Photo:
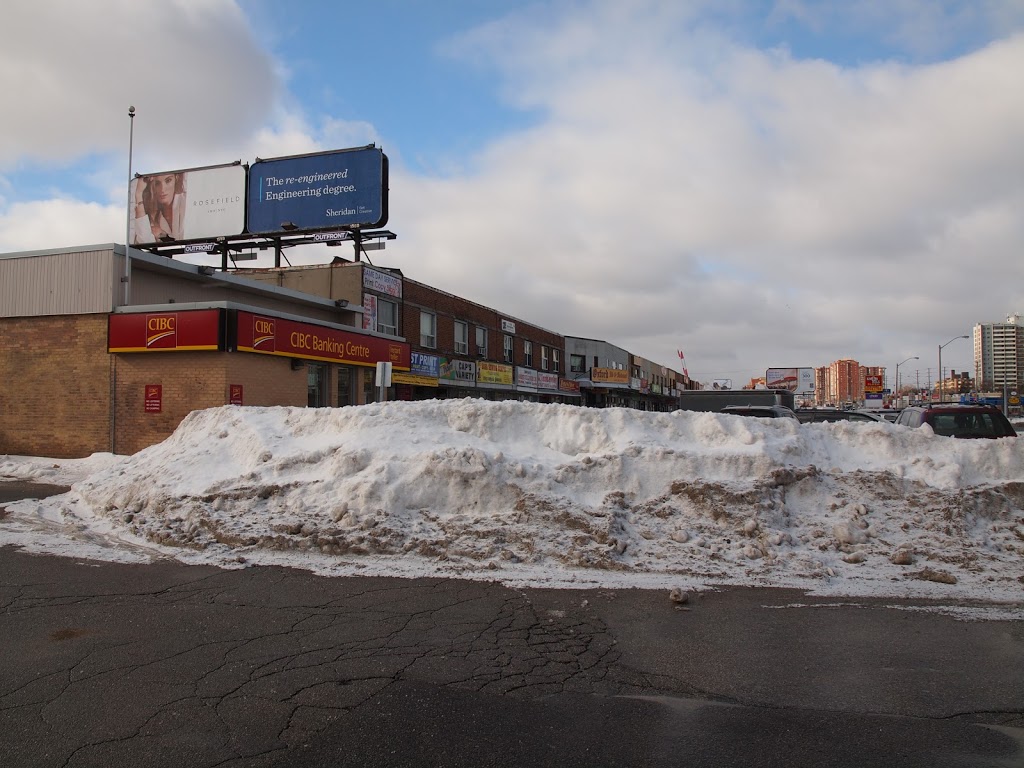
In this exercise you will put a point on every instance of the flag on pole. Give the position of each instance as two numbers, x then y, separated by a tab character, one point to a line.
682	361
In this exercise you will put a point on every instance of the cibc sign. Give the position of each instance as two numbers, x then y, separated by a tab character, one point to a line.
164	331
270	335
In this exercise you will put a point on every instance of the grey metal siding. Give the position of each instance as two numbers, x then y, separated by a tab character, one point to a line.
73	283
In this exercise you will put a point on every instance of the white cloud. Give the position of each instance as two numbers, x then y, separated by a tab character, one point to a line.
190	67
59	224
808	191
677	189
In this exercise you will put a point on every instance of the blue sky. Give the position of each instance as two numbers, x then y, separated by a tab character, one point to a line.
760	184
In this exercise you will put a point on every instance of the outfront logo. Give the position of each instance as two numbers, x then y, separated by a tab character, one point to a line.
161	331
263	334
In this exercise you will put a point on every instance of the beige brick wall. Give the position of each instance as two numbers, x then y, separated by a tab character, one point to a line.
193	381
54	386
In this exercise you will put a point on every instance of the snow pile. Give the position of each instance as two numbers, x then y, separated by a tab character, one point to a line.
561	495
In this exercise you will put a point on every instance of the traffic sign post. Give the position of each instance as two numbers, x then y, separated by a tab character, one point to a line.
383	380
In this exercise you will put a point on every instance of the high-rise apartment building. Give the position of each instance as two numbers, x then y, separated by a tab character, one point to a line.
999	354
845	382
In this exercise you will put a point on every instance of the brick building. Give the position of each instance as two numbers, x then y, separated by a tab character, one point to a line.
97	354
102	354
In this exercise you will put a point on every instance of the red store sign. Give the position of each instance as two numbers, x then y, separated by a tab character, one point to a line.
268	335
154	398
164	331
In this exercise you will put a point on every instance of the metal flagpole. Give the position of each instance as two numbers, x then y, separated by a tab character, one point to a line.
128	223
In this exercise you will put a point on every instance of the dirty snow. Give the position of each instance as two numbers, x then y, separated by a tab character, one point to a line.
551	495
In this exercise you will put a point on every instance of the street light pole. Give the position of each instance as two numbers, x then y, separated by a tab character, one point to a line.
127	279
915	357
965	336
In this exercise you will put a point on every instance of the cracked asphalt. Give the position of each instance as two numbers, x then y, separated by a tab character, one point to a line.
107	664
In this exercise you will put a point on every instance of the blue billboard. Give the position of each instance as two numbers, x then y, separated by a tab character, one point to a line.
325	190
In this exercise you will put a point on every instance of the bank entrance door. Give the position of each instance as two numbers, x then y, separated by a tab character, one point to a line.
316	387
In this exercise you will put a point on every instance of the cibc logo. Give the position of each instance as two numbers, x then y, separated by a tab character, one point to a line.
161	331
263	335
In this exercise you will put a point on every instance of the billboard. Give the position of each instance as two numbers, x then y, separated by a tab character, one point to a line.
800	381
193	204
344	188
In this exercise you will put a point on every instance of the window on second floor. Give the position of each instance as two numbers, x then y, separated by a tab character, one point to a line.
508	349
387	317
428	329
543	358
481	341
528	353
461	338
577	363
556	364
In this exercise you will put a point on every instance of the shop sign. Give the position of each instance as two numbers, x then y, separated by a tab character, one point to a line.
547	380
422	373
526	377
507	326
389	285
154	398
609	376
235	394
164	331
369	312
425	365
462	372
269	335
413	379
493	373
568	385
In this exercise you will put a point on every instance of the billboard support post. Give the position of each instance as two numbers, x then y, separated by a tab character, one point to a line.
129	213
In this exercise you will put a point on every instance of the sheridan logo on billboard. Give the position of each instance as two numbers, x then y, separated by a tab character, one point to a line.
193	204
269	335
164	331
344	188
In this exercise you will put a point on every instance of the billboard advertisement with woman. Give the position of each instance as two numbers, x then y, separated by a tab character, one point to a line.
193	204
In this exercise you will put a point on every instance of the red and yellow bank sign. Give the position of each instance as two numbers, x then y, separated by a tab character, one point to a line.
288	338
164	331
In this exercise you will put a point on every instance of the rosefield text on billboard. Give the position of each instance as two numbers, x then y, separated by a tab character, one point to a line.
192	204
346	188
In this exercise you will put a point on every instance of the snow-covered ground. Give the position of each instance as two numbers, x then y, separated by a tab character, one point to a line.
551	495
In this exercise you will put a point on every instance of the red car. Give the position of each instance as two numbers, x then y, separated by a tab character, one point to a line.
957	420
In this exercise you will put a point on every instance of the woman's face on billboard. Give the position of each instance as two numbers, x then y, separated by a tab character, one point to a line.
163	188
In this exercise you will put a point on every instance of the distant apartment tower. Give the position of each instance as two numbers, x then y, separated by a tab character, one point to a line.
999	354
845	382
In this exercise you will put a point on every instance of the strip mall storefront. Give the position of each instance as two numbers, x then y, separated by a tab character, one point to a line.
169	363
432	376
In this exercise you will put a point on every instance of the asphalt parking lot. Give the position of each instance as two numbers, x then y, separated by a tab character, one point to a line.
166	664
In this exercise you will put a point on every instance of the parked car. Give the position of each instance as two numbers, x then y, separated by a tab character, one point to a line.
889	414
761	411
810	415
956	420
